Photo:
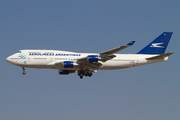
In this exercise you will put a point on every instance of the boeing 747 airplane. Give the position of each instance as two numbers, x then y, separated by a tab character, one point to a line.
87	63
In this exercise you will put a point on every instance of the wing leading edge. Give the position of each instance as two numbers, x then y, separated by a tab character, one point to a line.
112	51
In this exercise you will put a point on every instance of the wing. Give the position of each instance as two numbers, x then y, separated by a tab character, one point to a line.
109	52
96	60
83	63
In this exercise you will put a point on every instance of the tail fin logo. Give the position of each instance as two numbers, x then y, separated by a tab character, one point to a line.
157	45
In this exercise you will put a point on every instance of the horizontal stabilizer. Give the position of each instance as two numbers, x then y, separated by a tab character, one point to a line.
162	56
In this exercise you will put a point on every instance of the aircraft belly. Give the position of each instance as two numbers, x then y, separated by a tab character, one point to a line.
117	65
49	67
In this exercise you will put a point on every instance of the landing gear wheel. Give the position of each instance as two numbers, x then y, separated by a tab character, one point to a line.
82	73
79	74
90	74
23	72
81	77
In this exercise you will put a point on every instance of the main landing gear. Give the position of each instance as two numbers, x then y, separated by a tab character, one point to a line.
24	72
82	73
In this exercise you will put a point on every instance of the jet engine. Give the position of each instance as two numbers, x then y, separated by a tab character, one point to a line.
92	58
68	64
66	72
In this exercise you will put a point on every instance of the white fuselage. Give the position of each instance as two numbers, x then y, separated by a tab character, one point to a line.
47	58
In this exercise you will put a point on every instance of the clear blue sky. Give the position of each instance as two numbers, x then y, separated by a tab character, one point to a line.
150	92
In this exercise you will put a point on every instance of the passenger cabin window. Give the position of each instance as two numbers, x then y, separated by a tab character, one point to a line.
18	51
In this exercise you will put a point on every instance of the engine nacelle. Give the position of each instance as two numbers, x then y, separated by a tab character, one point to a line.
68	64
66	72
92	58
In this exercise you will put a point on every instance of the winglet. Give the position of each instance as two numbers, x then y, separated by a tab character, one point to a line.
131	43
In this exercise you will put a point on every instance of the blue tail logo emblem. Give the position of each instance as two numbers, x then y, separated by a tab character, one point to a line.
157	45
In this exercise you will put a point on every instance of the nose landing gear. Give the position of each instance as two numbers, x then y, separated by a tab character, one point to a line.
24	72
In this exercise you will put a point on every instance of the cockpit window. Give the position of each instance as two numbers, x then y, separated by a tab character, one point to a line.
18	51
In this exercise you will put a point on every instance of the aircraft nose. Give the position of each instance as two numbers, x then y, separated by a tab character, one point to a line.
8	59
11	59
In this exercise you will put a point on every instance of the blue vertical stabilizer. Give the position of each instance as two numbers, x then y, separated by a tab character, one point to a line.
158	46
